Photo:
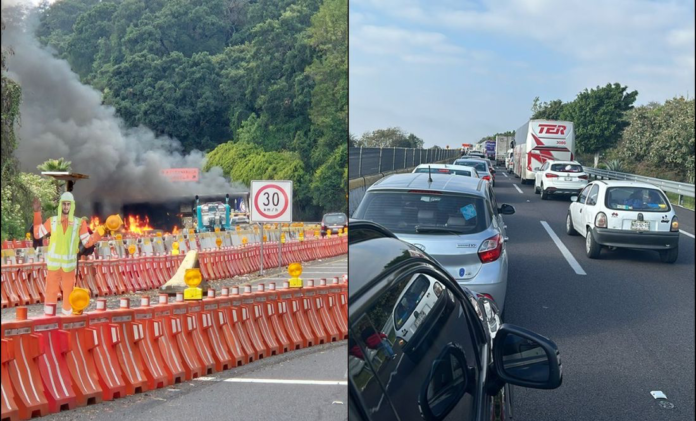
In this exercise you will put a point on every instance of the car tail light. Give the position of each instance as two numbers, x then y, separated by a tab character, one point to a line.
483	294
600	220
323	226
491	249
550	175
675	224
583	177
487	177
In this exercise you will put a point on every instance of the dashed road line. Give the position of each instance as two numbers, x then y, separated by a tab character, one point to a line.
564	250
687	234
518	189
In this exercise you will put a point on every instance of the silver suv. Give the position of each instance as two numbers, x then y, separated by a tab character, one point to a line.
456	220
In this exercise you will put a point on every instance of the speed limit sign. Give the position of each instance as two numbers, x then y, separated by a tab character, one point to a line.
271	201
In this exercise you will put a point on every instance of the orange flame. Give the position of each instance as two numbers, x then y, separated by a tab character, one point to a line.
94	223
134	225
175	230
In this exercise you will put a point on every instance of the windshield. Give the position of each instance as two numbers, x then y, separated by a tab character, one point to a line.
479	165
420	212
335	219
443	171
409	301
636	198
566	168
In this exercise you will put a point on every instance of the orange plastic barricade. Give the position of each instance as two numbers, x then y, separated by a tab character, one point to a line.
235	313
80	359
193	366
261	314
160	262
19	286
272	315
84	269
322	310
100	276
242	304
9	295
171	355
123	275
214	260
203	263
24	375
9	411
52	365
108	369
330	295
212	334
298	312
129	267
115	269
127	349
150	269
140	265
192	328
152	330
344	296
105	268
258	322
286	319
223	322
311	313
221	265
28	278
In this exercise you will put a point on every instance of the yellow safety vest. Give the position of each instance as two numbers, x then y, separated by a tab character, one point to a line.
63	247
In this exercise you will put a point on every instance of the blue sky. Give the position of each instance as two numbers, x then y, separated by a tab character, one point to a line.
453	71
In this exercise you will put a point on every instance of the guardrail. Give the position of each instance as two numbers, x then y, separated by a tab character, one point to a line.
679	188
370	161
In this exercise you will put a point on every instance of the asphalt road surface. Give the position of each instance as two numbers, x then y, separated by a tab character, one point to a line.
624	329
308	384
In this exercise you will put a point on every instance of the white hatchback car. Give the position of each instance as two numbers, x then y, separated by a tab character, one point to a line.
447	169
625	214
559	177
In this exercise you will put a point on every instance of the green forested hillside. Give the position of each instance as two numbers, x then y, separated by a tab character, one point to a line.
268	76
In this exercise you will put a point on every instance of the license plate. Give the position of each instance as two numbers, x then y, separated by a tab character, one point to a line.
640	225
569	178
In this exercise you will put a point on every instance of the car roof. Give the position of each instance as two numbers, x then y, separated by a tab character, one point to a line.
625	183
565	162
440	182
449	166
473	158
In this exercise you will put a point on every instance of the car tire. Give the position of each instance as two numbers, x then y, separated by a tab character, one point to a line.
536	189
570	230
542	192
669	256
592	247
523	181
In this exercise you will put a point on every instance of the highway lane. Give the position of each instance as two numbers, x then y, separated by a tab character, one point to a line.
624	329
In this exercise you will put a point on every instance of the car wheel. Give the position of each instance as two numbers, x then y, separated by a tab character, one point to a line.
536	189
569	226
544	195
592	247
669	256
523	181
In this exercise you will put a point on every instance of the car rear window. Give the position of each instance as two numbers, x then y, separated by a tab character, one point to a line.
636	198
424	212
479	165
335	219
409	301
566	168
444	171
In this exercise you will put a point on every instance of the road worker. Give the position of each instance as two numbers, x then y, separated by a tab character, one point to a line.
67	231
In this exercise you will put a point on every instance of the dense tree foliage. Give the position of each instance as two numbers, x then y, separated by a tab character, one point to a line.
392	137
218	75
547	110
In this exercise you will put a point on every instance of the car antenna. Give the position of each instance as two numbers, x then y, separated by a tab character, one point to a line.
430	179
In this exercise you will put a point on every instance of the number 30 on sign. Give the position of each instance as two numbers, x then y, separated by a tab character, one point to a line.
271	201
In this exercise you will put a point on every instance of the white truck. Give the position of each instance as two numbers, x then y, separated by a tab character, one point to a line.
502	144
538	141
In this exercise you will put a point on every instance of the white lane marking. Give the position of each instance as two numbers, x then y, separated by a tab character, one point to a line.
518	189
564	251
505	175
276	381
687	234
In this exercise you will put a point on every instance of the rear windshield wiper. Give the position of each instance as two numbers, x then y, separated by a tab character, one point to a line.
430	228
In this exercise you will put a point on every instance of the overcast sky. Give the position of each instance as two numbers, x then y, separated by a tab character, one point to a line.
453	71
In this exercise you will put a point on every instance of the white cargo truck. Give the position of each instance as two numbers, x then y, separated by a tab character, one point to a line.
538	141
502	144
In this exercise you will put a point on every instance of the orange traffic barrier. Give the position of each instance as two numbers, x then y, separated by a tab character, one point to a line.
162	270
9	411
274	337
192	325
235	314
19	286
212	334
54	371
101	277
10	298
106	361
222	320
272	315
127	350
285	316
152	330
343	302
123	276
249	326
206	272
322	310
297	309
175	360
84	273
257	320
107	273
311	313
193	366
27	276
330	295
80	359
24	375
115	270
133	275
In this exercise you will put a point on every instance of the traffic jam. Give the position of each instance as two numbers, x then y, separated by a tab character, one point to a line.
481	279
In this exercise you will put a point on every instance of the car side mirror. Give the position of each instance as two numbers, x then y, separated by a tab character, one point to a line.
506	209
524	358
448	380
536	168
573	198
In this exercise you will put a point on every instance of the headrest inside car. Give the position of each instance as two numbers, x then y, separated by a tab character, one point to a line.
426	215
456	221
